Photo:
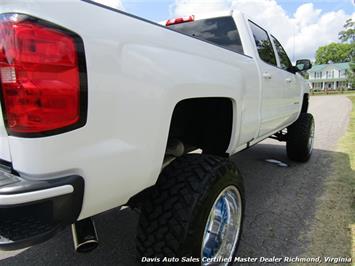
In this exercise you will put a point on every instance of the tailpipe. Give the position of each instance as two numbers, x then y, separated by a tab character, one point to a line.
84	236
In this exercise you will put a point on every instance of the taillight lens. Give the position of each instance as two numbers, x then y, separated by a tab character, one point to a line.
42	72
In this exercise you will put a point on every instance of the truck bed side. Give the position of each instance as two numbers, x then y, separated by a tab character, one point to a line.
137	73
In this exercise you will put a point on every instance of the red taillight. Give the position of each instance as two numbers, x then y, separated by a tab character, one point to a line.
40	76
180	20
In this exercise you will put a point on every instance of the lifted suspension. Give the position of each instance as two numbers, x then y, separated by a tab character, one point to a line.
280	136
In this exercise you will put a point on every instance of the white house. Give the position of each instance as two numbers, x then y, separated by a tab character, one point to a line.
331	76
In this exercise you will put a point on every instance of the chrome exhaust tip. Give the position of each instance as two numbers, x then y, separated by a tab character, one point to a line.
84	236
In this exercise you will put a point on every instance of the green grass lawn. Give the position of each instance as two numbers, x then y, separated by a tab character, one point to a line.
347	145
331	233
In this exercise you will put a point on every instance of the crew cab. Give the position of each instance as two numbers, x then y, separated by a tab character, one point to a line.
102	109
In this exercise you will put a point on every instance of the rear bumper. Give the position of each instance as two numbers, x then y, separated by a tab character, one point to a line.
33	211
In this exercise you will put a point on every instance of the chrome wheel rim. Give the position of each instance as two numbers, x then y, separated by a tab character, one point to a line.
222	229
311	138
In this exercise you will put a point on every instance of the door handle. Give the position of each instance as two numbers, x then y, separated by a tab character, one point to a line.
288	80
267	75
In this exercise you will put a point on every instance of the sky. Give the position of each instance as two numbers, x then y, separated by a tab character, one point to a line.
301	26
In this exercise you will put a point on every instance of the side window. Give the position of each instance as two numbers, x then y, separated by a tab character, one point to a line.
284	60
263	44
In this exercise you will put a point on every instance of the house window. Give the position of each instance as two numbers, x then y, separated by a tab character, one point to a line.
317	85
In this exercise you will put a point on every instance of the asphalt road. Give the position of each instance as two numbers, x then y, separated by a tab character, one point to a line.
280	202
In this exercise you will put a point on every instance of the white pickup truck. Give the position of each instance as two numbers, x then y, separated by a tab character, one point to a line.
102	109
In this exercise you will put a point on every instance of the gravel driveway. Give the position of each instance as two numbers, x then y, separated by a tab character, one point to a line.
280	202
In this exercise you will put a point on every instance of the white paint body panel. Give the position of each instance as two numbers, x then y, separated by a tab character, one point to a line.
137	73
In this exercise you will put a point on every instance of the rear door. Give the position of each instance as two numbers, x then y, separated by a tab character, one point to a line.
291	89
272	102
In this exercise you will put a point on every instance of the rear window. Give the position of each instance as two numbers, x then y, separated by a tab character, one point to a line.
219	31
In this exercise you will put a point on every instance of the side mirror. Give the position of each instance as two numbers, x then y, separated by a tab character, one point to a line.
303	64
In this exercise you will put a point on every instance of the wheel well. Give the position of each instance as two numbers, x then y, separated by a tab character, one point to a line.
204	123
305	103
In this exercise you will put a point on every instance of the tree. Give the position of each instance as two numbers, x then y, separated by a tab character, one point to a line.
348	34
334	52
